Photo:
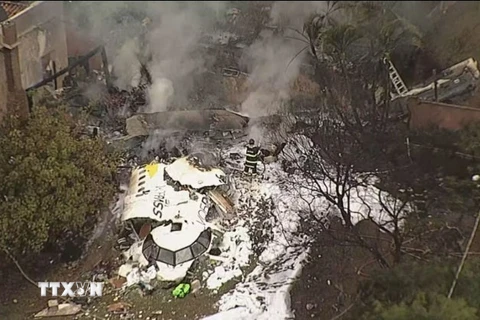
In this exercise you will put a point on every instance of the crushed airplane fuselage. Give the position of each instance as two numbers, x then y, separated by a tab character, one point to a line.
168	197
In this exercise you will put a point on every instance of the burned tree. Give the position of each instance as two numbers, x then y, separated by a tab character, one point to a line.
351	137
327	164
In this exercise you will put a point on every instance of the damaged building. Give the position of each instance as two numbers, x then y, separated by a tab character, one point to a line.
204	121
443	100
32	47
452	85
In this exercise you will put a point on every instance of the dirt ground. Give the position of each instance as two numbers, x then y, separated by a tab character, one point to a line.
20	300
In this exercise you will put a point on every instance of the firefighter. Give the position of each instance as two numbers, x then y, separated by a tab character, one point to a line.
253	155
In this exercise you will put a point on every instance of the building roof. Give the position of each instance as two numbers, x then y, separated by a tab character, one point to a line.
11	8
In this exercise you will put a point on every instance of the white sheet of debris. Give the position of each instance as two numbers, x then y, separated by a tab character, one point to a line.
143	193
187	174
264	293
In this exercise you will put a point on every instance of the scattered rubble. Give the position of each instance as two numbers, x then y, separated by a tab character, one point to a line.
119	307
55	309
191	120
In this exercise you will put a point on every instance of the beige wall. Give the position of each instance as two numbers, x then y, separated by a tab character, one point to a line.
424	114
3	86
41	33
25	39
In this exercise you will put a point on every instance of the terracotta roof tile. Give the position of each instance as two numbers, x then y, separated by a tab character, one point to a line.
12	8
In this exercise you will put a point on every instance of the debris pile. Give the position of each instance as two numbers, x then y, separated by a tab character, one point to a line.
55	309
165	213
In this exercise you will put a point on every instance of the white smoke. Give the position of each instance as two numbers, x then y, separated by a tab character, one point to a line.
274	61
272	71
130	72
164	33
160	94
176	31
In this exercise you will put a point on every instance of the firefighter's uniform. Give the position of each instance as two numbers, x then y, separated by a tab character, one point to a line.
253	155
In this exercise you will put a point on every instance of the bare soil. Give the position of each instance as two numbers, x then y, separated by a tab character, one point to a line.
20	300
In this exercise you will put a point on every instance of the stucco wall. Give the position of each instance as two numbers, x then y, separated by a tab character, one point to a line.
16	99
424	114
80	44
3	87
41	32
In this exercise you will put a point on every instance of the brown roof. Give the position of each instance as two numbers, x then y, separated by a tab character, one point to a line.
13	7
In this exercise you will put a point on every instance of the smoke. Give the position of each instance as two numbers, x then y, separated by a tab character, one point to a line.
294	13
270	73
173	43
274	61
163	35
126	64
257	133
160	94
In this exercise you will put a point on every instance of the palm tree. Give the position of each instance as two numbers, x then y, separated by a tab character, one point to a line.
337	40
382	29
317	23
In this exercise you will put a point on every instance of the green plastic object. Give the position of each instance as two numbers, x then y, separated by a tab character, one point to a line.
181	290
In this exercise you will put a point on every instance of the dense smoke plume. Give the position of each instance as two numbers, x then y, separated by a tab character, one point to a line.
173	42
270	75
162	35
166	36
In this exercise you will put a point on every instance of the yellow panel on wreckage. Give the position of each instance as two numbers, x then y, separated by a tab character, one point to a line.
152	169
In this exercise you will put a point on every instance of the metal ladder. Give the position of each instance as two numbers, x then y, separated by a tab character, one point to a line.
397	82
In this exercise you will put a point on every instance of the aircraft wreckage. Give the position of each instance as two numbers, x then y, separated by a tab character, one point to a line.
211	121
167	205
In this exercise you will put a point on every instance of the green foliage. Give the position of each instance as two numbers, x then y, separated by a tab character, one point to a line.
426	307
337	40
470	139
463	193
418	291
52	180
374	25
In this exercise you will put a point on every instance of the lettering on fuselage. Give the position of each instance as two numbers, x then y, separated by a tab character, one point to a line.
159	203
